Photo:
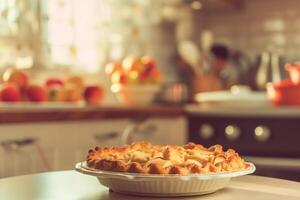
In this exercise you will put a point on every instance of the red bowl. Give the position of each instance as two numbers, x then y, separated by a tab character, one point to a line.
294	72
284	92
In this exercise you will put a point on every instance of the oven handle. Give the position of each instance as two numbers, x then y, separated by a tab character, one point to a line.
293	163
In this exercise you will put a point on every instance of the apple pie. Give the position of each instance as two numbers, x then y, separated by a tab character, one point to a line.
144	157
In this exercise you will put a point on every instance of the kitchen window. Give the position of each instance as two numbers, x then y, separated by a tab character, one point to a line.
74	34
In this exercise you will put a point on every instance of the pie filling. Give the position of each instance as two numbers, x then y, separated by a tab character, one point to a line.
144	157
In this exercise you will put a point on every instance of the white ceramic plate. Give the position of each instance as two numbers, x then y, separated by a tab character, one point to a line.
162	185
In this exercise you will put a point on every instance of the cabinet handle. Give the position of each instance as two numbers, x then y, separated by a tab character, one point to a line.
136	127
16	144
106	136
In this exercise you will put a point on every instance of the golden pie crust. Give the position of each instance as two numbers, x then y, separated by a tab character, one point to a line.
144	157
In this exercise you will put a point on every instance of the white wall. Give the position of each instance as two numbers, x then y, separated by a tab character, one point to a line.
261	25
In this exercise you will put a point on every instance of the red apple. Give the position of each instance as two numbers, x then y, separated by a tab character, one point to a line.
55	93
146	74
143	76
156	76
10	93
150	71
148	62
123	79
93	94
54	81
36	93
16	76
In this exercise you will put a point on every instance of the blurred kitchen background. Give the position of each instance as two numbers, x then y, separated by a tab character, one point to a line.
169	71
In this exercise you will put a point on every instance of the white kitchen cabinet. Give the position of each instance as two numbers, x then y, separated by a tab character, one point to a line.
59	145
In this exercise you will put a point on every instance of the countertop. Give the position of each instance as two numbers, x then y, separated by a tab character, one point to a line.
243	110
70	185
42	112
27	113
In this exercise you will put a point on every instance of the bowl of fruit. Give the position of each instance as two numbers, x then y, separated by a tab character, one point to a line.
135	81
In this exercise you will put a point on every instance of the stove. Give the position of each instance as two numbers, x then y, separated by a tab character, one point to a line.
268	137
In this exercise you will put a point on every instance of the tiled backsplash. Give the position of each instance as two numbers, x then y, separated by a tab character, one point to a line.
272	25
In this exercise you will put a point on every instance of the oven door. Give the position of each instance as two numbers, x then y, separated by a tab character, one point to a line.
284	168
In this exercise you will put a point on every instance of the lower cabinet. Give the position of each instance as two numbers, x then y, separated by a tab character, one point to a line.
39	147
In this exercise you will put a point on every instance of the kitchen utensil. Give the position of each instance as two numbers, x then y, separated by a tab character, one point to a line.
262	72
268	69
276	76
163	185
189	51
284	92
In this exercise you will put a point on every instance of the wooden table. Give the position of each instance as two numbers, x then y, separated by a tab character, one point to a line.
70	185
